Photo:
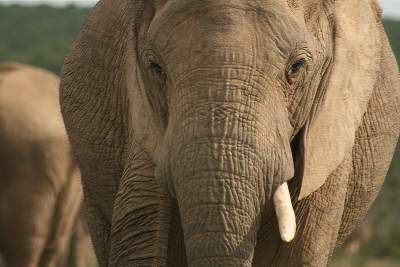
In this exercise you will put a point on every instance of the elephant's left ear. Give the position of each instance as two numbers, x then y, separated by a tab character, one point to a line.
330	132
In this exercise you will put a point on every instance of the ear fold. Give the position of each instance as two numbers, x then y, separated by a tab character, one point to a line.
330	132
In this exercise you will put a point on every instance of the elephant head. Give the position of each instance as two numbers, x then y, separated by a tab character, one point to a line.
227	100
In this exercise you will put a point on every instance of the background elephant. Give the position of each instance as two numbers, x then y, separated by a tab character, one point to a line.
40	188
188	117
79	252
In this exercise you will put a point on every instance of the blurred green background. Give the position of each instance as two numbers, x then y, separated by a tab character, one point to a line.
42	36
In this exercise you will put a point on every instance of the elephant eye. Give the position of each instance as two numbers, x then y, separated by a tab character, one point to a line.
294	71
158	71
156	68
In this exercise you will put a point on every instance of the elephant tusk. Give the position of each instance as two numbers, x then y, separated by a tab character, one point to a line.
285	213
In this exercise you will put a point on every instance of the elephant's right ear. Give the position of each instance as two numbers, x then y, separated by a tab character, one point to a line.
330	132
98	75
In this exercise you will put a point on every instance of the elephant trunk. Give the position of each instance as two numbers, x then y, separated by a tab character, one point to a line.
226	153
219	198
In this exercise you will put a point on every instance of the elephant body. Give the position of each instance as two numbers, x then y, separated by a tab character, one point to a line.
188	117
79	252
40	186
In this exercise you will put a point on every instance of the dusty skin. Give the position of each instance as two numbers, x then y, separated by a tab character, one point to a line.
187	118
40	191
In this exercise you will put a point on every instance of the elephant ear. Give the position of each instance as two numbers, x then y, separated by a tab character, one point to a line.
101	88
97	74
330	132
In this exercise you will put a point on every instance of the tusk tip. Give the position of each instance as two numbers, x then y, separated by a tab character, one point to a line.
285	213
288	234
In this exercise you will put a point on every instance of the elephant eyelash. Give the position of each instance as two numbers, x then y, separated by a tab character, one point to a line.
294	72
298	65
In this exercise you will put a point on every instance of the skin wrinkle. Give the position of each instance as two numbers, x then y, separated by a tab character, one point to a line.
99	217
256	92
229	230
245	156
185	112
141	177
158	42
178	196
376	132
210	136
313	224
297	120
238	202
264	65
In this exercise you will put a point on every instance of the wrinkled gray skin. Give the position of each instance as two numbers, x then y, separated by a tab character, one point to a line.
40	185
185	116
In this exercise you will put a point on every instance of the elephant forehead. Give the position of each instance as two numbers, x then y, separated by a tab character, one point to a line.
208	22
222	36
222	22
259	6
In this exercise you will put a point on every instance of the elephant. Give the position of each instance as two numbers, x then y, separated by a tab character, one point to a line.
40	185
229	133
79	252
